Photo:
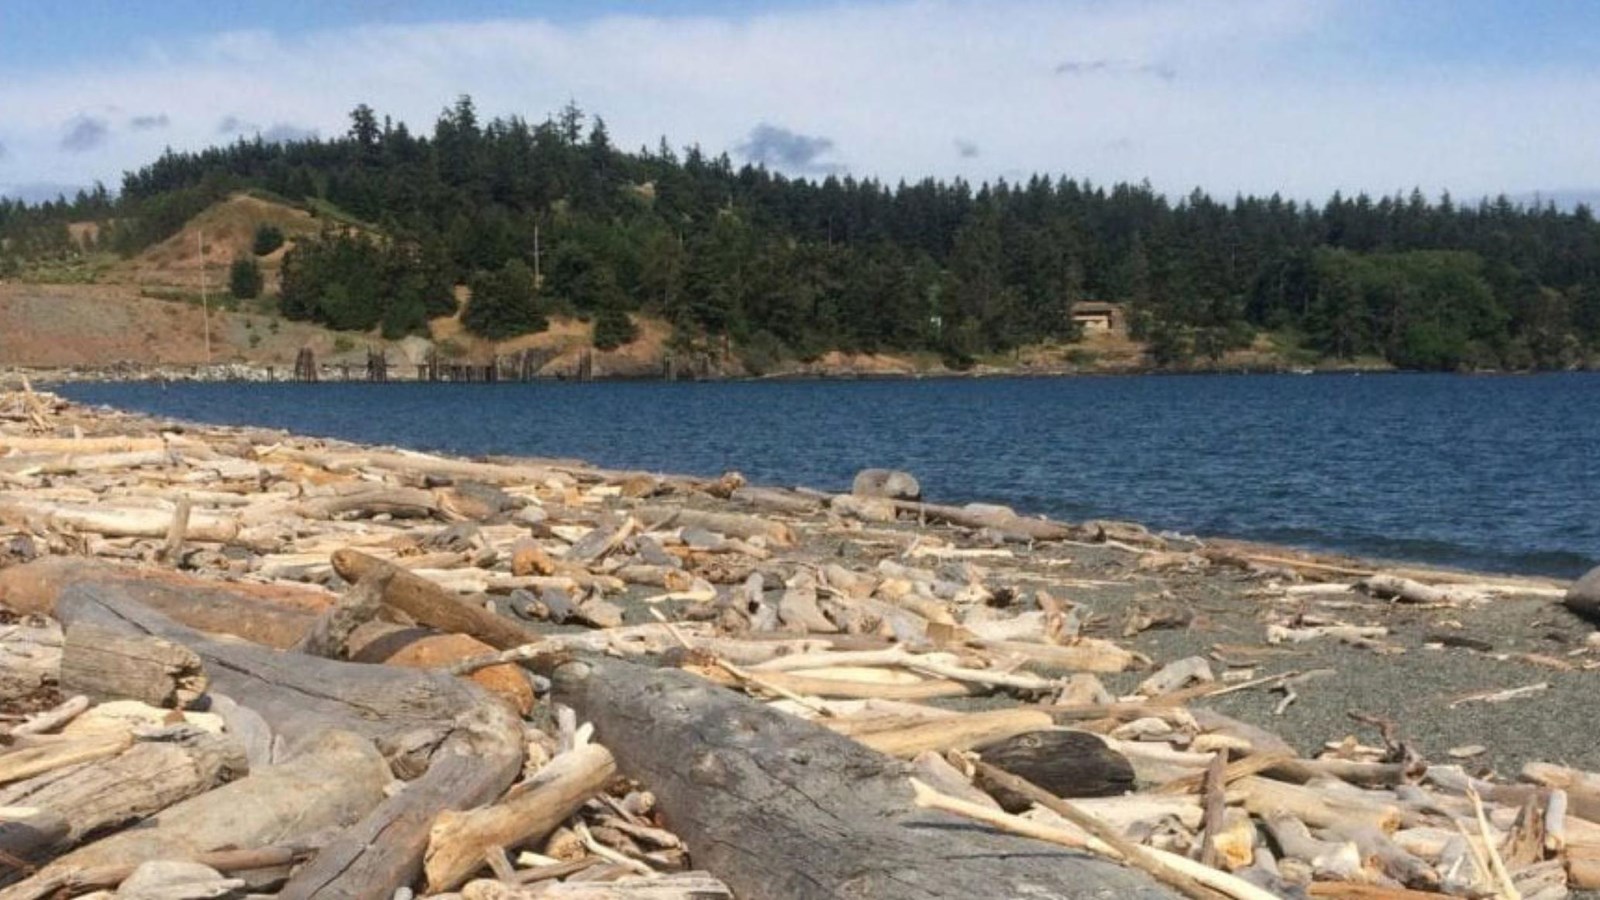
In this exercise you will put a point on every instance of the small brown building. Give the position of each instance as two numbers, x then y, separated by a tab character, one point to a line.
1095	317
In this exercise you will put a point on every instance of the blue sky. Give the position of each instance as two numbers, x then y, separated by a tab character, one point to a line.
1299	96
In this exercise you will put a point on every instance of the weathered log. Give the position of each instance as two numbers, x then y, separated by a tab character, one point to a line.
1065	763
299	696
961	732
384	852
114	521
401	503
273	616
177	530
30	657
30	761
338	779
530	813
731	524
980	516
677	886
107	664
110	876
1315	808
428	604
150	776
777	500
331	631
834	818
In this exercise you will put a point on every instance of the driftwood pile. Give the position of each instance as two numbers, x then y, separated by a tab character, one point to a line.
239	662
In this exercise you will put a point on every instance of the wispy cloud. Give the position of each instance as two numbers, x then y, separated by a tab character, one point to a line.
1247	95
1115	67
283	132
84	133
149	122
3	151
780	148
231	124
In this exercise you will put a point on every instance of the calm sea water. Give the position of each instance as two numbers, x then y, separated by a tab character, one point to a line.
1497	473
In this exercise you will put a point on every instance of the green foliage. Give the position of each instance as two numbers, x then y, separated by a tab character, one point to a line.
352	283
244	279
734	256
613	328
267	240
503	304
343	344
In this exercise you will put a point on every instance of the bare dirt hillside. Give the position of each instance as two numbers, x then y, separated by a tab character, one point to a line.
229	230
103	325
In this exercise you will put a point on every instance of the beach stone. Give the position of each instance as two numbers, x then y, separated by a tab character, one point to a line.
890	484
1583	597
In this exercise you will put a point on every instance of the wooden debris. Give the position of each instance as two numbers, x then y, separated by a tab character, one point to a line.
371	632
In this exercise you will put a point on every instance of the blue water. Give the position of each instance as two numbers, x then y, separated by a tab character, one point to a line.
1496	473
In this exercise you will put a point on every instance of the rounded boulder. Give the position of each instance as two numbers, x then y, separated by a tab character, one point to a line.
890	484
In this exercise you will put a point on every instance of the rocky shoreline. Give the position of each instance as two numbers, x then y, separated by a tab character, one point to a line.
679	687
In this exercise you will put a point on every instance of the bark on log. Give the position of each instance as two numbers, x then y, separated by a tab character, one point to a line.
273	616
832	819
428	604
457	840
148	777
108	664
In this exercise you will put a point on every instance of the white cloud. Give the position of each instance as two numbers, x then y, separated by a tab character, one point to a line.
1184	92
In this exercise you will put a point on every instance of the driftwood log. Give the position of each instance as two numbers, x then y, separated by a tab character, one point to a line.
109	664
302	698
154	773
778	807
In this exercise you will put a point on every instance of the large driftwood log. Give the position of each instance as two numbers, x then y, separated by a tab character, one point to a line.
108	664
779	807
339	779
119	521
731	524
299	696
150	776
272	616
457	841
428	604
982	516
384	852
303	697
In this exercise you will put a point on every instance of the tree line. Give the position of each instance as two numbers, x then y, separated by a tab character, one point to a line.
551	217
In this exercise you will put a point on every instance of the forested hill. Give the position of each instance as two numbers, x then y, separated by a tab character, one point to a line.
774	266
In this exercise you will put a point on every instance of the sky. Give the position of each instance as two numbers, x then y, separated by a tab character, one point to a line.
1300	97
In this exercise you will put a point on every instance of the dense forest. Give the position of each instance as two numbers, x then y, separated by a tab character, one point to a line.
549	218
